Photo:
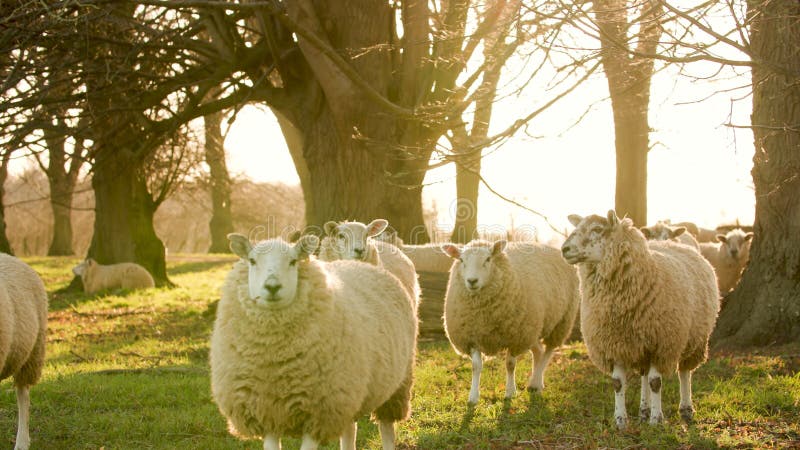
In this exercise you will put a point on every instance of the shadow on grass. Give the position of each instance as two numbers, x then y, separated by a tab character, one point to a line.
180	268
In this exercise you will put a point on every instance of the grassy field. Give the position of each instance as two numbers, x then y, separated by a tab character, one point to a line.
129	370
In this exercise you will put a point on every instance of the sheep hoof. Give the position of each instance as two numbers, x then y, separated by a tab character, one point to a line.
687	414
622	422
535	389
644	414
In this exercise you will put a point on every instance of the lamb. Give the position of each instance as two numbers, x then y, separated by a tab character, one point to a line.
354	241
97	277
510	300
662	231
23	329
728	256
647	307
302	347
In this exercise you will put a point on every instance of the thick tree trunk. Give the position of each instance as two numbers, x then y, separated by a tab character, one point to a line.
123	226
631	133
764	308
61	205
5	246
221	221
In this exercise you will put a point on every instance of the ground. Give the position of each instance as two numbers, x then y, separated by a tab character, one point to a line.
129	370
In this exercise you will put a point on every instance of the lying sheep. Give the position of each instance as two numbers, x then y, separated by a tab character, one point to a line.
662	231
500	300
97	277
303	348
23	329
728	256
354	241
647	308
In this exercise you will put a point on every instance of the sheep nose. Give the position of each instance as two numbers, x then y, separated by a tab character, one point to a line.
566	249
734	253
359	252
472	281
273	288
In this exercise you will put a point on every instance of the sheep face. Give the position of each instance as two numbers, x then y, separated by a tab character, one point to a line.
83	267
475	262
272	275
586	244
736	244
662	232
350	238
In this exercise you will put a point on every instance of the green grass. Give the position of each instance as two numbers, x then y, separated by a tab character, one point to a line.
129	370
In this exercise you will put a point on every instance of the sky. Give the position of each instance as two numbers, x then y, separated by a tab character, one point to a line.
698	168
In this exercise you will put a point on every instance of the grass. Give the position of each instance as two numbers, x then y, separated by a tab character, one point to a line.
129	370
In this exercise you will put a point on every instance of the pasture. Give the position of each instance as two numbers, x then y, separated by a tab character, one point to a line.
129	370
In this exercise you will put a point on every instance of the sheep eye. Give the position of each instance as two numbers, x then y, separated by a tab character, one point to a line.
488	259
340	236
252	261
292	263
460	260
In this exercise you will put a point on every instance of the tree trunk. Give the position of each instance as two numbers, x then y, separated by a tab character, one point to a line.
467	186
764	308
61	205
5	246
123	226
631	133
221	221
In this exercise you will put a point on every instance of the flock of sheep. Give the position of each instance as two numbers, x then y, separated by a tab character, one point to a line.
311	335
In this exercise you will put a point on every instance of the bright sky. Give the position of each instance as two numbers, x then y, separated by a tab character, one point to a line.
698	168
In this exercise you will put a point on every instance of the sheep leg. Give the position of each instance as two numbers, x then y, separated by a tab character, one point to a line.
686	409
540	361
387	435
511	385
272	442
644	402
348	439
24	406
477	366
654	379
618	380
308	443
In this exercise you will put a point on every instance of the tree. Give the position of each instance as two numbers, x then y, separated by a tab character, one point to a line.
220	184
629	70
764	308
5	246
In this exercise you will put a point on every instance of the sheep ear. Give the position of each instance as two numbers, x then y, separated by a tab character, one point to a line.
240	245
499	247
748	236
330	228
613	219
451	250
675	232
306	246
722	238
376	227
574	219
647	232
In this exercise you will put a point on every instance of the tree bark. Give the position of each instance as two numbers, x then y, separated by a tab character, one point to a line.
123	226
221	220
62	186
629	74
764	308
5	246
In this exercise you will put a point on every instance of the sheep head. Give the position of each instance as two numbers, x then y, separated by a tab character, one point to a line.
475	261
351	239
736	244
272	267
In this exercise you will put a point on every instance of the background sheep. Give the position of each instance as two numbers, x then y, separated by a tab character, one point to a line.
509	300
728	256
647	308
425	257
302	348
23	329
701	234
354	241
662	231
97	277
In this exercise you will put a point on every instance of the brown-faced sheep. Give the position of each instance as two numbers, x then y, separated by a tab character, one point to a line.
646	308
23	330
509	300
303	348
97	277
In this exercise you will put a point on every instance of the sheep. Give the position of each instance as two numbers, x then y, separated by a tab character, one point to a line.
354	241
700	233
302	347
97	277
662	231
728	257
647	307
428	257
23	329
510	300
